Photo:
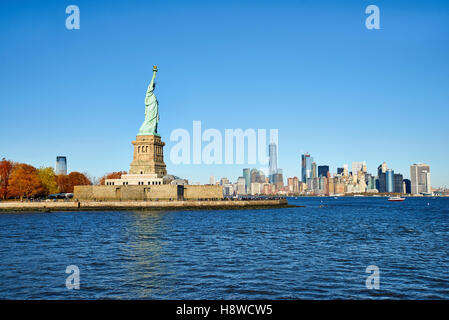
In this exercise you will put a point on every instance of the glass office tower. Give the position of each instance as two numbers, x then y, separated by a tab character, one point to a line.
61	165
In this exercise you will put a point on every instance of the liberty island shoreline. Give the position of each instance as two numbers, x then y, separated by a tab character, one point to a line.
157	205
15	206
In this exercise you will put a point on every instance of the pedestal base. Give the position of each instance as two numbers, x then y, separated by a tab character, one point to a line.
148	156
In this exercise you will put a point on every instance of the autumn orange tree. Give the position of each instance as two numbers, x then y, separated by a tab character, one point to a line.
5	173
111	175
63	182
66	183
24	182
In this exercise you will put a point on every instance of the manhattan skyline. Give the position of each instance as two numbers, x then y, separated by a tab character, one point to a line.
330	86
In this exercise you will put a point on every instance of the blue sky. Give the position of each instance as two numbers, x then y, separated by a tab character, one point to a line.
308	68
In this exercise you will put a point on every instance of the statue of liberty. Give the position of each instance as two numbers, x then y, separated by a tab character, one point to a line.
149	126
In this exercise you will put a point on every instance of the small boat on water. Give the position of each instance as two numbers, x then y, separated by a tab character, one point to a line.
396	199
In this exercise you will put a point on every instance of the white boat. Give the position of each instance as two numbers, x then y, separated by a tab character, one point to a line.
396	198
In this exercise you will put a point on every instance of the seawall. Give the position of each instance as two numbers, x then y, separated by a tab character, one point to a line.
141	205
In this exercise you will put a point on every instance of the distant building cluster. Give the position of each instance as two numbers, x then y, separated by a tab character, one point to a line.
441	192
358	180
318	180
254	181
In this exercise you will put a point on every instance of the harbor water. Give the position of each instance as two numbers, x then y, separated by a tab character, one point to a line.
319	251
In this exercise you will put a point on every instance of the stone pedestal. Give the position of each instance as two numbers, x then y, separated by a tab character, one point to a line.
148	156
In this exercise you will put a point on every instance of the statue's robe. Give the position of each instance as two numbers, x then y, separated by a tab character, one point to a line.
149	126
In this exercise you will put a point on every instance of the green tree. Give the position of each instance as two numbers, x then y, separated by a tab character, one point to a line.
48	179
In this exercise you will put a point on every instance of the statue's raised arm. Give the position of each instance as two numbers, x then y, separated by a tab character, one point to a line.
151	85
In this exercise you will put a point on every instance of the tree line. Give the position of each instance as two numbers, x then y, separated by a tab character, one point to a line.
21	180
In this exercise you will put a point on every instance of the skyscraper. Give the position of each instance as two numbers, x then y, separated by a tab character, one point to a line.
390	180
381	184
383	167
420	178
306	167
61	165
322	185
293	184
240	186
314	175
340	170
278	179
398	183
370	182
247	177
356	167
322	171
261	177
364	167
330	185
428	184
273	161
345	170
408	186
